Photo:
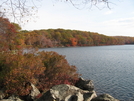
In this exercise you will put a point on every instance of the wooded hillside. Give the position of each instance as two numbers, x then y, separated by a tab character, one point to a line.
67	38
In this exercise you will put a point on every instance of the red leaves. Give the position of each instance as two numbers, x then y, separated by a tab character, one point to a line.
45	69
58	71
17	70
7	34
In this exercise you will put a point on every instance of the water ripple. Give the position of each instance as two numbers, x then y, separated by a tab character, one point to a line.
110	67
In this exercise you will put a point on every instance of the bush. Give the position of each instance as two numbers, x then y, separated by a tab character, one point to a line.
43	69
17	70
58	70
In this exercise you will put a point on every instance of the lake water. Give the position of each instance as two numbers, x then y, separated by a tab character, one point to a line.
110	67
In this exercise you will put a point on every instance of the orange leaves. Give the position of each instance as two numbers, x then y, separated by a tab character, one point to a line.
58	71
7	34
74	41
44	69
19	69
21	42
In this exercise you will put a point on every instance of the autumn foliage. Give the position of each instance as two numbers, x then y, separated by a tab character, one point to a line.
67	38
73	41
58	70
7	34
18	69
45	69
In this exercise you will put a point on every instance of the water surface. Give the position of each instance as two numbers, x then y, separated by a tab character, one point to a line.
110	67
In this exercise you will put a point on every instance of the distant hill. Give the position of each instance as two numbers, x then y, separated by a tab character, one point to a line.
66	38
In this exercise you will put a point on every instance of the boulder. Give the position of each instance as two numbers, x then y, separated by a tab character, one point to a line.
66	92
12	98
85	84
34	92
104	97
2	95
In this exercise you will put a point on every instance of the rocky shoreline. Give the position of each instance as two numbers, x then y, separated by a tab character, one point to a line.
82	91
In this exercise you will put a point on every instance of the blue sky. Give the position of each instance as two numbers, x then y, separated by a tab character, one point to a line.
116	21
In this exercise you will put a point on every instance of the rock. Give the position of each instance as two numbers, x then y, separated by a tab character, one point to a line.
85	84
2	95
89	96
34	92
66	92
12	98
104	97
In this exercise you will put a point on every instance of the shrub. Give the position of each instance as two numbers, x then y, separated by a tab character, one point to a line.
58	70
43	69
17	70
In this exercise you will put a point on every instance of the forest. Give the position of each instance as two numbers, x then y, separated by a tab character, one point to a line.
66	38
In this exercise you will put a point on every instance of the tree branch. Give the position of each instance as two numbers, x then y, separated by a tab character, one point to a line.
20	9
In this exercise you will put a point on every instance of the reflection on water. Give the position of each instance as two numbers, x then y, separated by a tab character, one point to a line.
110	67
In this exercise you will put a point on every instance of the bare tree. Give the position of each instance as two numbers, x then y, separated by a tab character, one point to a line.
89	3
19	9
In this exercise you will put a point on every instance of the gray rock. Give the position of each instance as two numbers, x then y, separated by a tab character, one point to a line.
12	98
46	97
85	84
65	92
34	92
104	97
2	95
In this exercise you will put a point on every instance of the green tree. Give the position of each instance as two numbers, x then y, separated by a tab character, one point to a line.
17	27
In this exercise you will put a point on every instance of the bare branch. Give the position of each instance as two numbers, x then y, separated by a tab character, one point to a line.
18	10
21	9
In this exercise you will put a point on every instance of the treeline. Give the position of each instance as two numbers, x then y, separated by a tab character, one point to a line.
67	38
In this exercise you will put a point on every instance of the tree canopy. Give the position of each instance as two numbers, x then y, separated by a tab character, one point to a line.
66	38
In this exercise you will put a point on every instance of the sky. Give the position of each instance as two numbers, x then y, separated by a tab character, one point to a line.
118	20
